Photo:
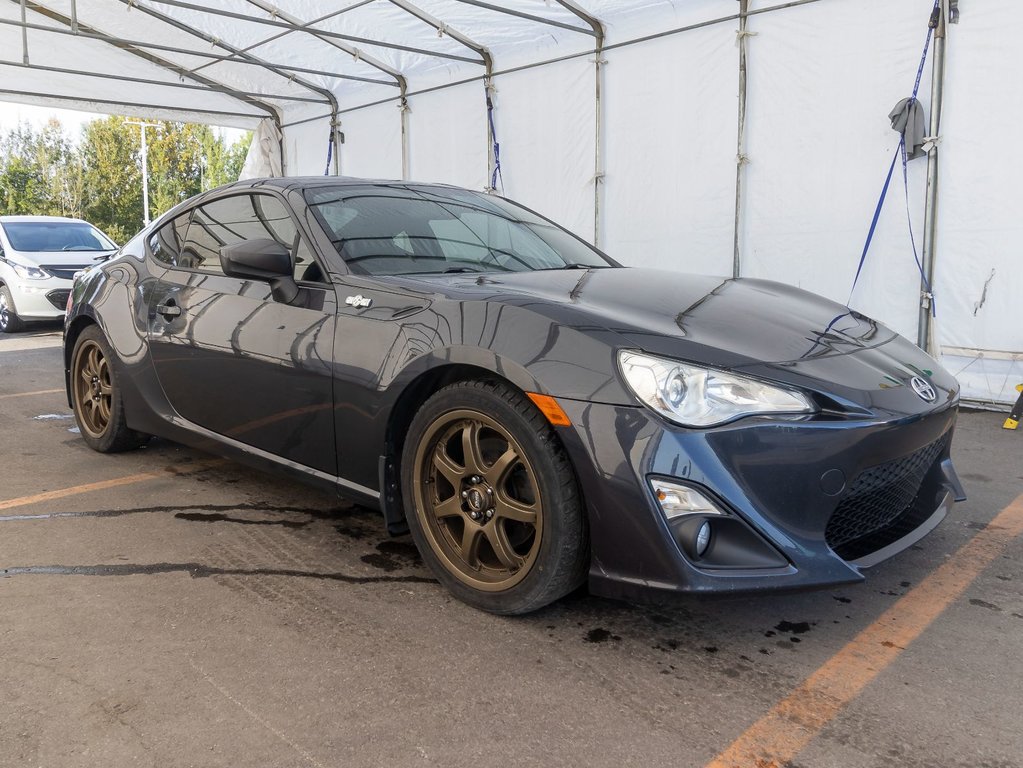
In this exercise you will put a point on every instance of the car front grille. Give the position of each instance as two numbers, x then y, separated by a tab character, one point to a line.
58	298
880	500
63	271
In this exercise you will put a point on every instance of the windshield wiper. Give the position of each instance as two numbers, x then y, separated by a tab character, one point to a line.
574	266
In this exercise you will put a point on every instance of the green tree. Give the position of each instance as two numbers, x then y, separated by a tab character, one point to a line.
112	177
99	176
39	172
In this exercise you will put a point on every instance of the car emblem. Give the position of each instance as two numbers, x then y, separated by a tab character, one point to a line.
358	301
923	389
476	500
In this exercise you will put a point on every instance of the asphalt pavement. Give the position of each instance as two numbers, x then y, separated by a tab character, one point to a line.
164	608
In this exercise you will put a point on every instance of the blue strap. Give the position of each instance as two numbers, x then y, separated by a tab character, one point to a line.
330	152
912	238
873	224
497	147
901	151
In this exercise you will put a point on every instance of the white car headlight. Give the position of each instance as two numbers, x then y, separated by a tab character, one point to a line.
703	397
29	271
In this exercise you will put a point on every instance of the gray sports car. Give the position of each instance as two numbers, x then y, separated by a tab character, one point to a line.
536	414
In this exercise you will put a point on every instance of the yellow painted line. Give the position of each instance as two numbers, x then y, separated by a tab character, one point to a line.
782	733
29	394
102	485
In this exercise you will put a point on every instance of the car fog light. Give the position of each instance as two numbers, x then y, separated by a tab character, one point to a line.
703	539
678	500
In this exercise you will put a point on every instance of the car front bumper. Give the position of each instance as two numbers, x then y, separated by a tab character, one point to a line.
809	502
40	299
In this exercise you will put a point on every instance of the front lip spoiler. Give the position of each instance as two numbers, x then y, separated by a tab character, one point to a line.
911	538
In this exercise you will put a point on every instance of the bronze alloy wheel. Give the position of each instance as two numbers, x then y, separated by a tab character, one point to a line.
478	500
93	389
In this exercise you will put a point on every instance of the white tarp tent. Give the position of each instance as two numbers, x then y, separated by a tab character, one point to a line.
619	119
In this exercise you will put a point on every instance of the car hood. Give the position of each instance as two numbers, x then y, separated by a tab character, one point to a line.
59	258
758	326
718	321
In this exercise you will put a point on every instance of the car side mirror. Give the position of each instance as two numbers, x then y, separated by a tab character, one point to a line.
262	259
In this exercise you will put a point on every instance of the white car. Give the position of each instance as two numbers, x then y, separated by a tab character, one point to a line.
39	256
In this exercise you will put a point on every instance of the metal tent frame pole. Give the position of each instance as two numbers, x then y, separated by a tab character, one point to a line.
72	100
924	327
300	26
485	59
285	25
297	27
328	95
95	34
740	151
145	45
598	77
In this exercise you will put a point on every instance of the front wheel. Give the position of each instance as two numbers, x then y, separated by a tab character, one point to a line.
9	320
99	409
491	499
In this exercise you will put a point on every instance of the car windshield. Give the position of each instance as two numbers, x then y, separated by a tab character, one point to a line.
51	236
405	230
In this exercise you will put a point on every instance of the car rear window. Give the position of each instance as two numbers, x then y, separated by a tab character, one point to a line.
53	236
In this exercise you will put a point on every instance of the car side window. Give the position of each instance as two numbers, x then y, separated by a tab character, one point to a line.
231	220
165	243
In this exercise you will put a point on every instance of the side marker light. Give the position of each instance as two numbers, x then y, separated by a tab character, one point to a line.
550	409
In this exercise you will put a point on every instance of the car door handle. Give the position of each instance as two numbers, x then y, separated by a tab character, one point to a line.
169	309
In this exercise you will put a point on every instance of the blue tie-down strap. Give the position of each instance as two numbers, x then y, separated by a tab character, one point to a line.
900	151
330	152
496	175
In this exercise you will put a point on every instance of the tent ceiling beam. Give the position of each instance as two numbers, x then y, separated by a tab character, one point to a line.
327	94
76	103
286	25
141	45
443	29
596	26
96	34
299	26
287	32
150	81
527	16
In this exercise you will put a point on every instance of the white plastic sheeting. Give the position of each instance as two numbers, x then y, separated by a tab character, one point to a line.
650	171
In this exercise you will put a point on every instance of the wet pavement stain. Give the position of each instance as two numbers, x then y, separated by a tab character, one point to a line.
199	571
393	556
180	508
600	635
985	604
218	517
794	627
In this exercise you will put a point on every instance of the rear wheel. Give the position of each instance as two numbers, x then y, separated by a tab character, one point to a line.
491	499
9	320
99	410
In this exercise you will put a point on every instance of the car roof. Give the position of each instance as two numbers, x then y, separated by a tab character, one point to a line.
303	182
39	219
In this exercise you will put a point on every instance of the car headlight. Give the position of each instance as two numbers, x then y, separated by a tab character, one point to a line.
28	271
703	397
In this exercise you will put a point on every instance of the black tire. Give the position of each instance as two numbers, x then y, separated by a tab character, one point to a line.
96	398
529	545
9	320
